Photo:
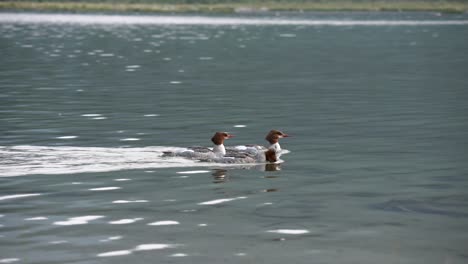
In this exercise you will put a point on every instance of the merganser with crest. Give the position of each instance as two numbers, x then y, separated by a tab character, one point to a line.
273	137
218	141
217	151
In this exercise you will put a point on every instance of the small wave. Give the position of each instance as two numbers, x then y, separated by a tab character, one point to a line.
125	221
129	139
193	172
128	201
9	260
162	223
178	255
82	19
91	115
289	231
115	253
112	238
38	218
15	196
67	137
142	247
218	201
111	188
154	246
80	220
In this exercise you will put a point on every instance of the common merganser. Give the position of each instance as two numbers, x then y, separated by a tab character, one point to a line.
218	141
217	151
273	137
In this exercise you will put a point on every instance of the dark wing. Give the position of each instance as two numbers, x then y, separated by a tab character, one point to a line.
244	151
191	152
237	154
200	149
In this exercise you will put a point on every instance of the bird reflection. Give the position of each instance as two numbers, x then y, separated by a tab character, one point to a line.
221	175
272	167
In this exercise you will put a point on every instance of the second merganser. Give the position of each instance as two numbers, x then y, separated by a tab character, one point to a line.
218	141
217	151
273	137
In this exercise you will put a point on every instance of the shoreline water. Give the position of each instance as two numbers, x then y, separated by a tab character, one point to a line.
190	19
344	5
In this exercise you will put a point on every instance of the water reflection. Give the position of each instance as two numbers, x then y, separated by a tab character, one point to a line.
221	175
272	167
271	190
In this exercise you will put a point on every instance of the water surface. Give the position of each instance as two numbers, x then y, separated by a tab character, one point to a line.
375	104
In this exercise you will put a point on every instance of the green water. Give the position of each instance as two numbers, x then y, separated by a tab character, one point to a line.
377	169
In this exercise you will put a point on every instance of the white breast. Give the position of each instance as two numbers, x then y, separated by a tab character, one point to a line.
219	150
276	147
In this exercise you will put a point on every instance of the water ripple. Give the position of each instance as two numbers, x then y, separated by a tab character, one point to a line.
27	160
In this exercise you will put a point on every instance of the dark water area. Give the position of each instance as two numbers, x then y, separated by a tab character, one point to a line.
377	113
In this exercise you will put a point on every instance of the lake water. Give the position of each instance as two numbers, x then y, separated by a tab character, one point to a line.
375	103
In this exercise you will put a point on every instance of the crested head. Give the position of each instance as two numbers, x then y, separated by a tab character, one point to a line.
219	137
274	135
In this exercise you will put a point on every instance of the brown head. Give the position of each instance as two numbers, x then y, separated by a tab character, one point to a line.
219	137
274	136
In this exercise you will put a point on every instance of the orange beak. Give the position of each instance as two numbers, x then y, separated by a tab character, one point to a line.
230	136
